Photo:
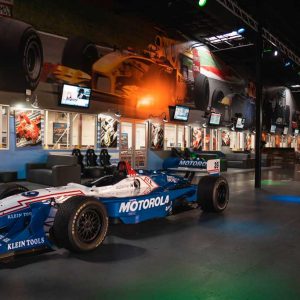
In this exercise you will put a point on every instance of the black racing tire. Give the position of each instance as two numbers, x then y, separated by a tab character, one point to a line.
21	56
216	98
201	92
10	189
80	224
79	53
213	193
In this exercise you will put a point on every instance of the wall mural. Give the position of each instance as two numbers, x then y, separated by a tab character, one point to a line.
167	72
279	109
28	128
157	136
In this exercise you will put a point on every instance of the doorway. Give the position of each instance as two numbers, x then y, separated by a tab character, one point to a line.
133	143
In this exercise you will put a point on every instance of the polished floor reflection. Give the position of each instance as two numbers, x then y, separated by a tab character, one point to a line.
249	252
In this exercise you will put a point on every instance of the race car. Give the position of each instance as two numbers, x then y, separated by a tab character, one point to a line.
76	217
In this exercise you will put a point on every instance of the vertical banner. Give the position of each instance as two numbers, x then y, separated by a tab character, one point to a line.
108	131
28	128
225	138
197	138
157	136
60	133
1	124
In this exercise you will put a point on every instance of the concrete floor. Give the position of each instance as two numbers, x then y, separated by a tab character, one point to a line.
251	251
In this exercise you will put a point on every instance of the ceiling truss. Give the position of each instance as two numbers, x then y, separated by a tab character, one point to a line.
252	23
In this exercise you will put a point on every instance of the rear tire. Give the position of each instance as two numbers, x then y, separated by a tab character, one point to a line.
10	189
213	193
21	55
216	98
79	53
201	92
80	224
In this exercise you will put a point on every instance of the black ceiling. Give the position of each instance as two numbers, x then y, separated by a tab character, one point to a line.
186	19
280	17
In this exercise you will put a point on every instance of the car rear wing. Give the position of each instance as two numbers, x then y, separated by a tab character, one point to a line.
211	167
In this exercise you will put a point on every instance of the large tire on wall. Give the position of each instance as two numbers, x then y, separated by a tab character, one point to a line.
10	189
80	224
201	92
21	56
79	53
216	98
213	193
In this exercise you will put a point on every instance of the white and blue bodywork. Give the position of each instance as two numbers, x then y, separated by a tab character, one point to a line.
26	219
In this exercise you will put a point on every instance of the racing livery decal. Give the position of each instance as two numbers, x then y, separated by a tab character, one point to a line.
192	163
135	205
26	243
26	202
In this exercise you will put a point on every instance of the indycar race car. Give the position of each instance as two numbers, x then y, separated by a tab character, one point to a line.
76	217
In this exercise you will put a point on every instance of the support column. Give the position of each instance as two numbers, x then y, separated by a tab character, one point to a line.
259	90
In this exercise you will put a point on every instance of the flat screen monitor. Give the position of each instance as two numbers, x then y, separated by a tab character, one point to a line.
296	132
285	130
240	123
75	96
273	128
181	113
215	119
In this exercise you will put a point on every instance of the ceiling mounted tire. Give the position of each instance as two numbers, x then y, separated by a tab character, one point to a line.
21	56
213	193
10	189
79	53
80	224
201	92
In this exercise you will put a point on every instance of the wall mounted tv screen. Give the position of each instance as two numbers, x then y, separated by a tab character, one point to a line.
75	96
240	123
215	119
181	113
296	132
273	128
285	130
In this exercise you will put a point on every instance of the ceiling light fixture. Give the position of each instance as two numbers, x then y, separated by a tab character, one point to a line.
202	3
287	64
267	50
241	30
221	38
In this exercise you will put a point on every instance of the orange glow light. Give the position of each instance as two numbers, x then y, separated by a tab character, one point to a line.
145	101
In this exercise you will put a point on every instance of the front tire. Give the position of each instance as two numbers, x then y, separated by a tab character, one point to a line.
80	224
213	193
10	189
21	55
79	53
